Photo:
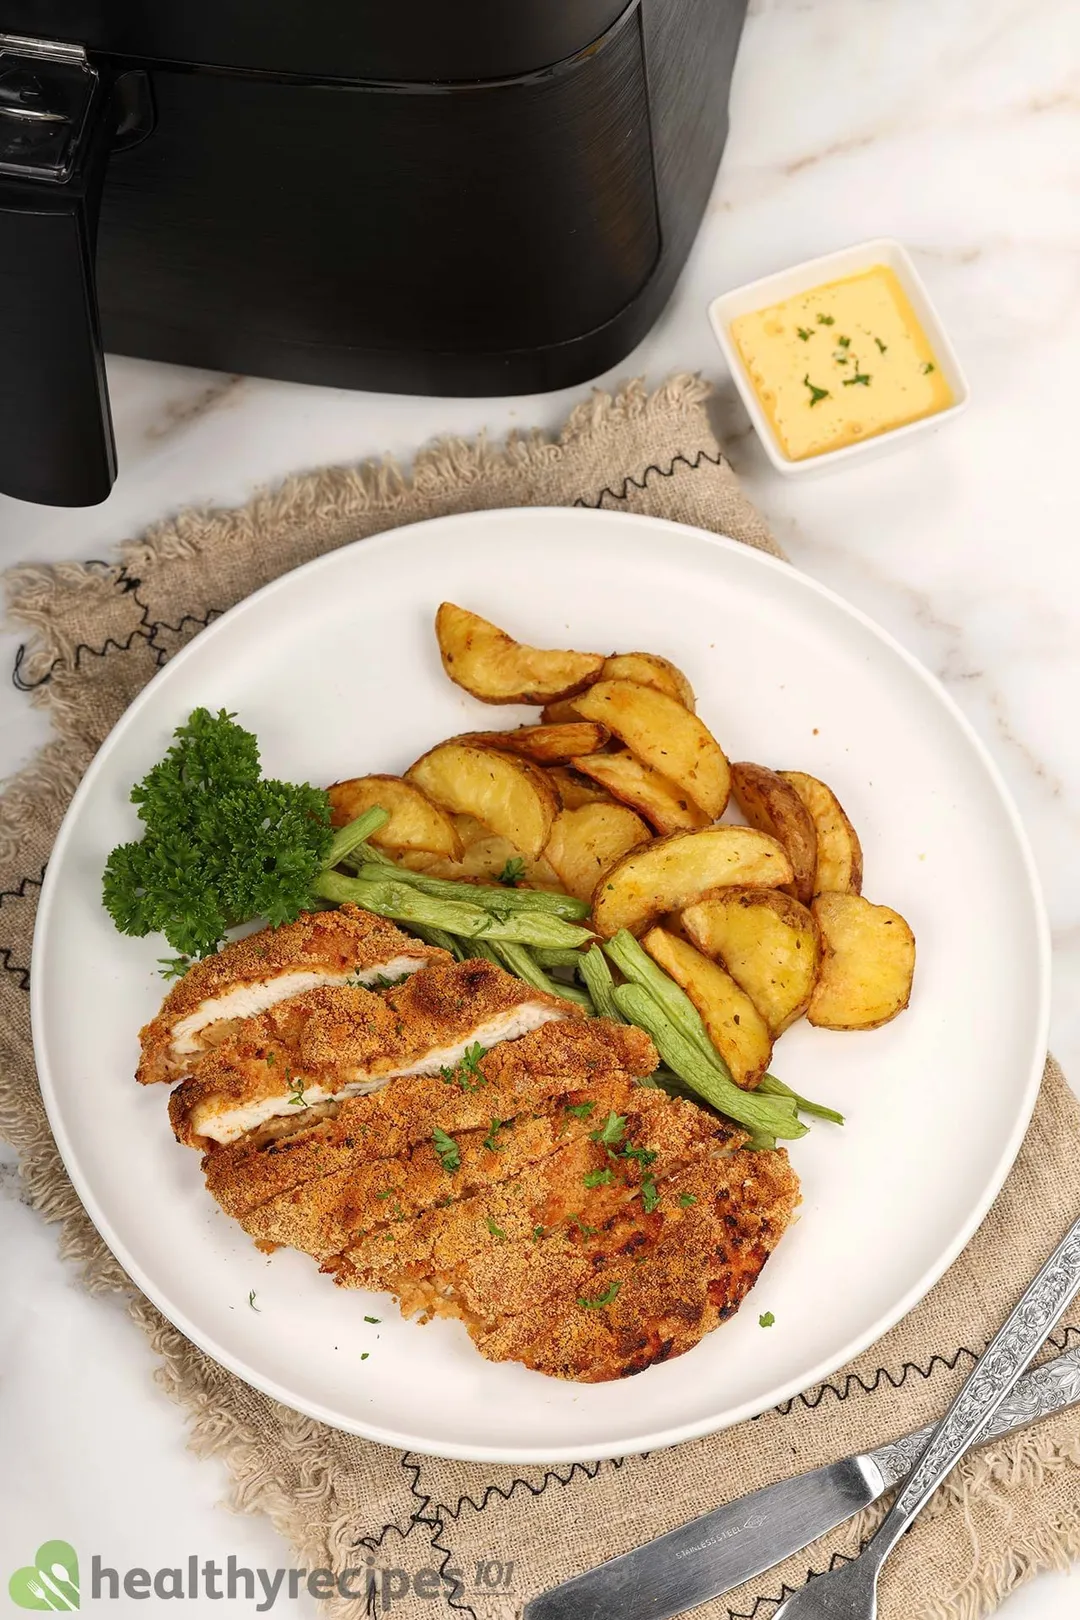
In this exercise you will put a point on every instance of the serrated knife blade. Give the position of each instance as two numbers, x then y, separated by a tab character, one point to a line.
718	1551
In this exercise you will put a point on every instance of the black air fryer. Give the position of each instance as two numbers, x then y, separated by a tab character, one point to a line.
424	196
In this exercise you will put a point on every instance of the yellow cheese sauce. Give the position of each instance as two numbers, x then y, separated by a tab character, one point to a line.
840	363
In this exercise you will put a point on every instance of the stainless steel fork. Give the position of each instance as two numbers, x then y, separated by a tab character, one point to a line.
850	1592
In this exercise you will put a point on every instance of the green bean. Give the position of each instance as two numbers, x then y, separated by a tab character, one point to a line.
521	962
401	902
599	983
636	965
491	897
444	941
770	1086
558	959
354	833
763	1116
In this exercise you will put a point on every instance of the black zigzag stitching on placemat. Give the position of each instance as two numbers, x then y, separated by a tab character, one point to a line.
147	628
854	1382
653	470
19	892
21	973
552	1476
455	1595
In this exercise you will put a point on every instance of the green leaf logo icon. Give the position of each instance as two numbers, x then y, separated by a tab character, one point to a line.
50	1582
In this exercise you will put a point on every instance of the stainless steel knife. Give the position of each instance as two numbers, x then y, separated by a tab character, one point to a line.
721	1549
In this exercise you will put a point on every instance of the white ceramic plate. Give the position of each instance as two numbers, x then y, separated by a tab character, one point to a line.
335	668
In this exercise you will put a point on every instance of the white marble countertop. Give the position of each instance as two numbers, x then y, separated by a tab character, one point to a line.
953	127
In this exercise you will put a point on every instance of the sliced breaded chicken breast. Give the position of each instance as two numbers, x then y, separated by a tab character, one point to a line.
248	976
333	1043
596	1262
514	1079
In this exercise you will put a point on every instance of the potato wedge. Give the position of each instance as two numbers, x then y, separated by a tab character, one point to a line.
560	713
576	789
676	872
735	1026
769	944
771	804
867	963
839	853
585	843
649	669
664	805
415	823
544	745
497	669
659	731
485	859
509	795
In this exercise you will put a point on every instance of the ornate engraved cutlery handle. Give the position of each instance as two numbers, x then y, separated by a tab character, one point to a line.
1038	1394
993	1377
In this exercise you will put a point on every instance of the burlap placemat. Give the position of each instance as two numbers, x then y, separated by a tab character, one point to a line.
98	633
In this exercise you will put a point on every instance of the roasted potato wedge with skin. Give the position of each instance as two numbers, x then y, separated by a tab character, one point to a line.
735	1026
509	795
585	843
771	804
575	788
768	943
663	804
495	668
561	713
415	823
659	731
676	872
544	744
649	669
867	963
839	853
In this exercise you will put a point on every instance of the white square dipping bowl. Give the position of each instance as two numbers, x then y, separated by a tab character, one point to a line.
802	278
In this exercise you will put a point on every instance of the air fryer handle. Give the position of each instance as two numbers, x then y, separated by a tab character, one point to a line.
58	120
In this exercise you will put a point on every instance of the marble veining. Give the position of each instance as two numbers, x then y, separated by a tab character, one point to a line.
955	127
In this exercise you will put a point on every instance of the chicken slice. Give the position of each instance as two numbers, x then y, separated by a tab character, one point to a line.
584	1276
248	976
513	1079
341	1042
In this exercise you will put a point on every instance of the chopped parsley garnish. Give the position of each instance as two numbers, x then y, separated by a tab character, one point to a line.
598	1178
489	1139
927	367
611	1131
602	1299
644	1156
173	967
372	1319
513	872
251	1301
466	1072
270	1059
538	1232
881	346
220	843
844	342
296	1093
766	1319
804	332
650	1197
826	320
580	1110
447	1150
686	1199
387	1192
379	982
496	1231
586	1231
364	1354
816	393
859	377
